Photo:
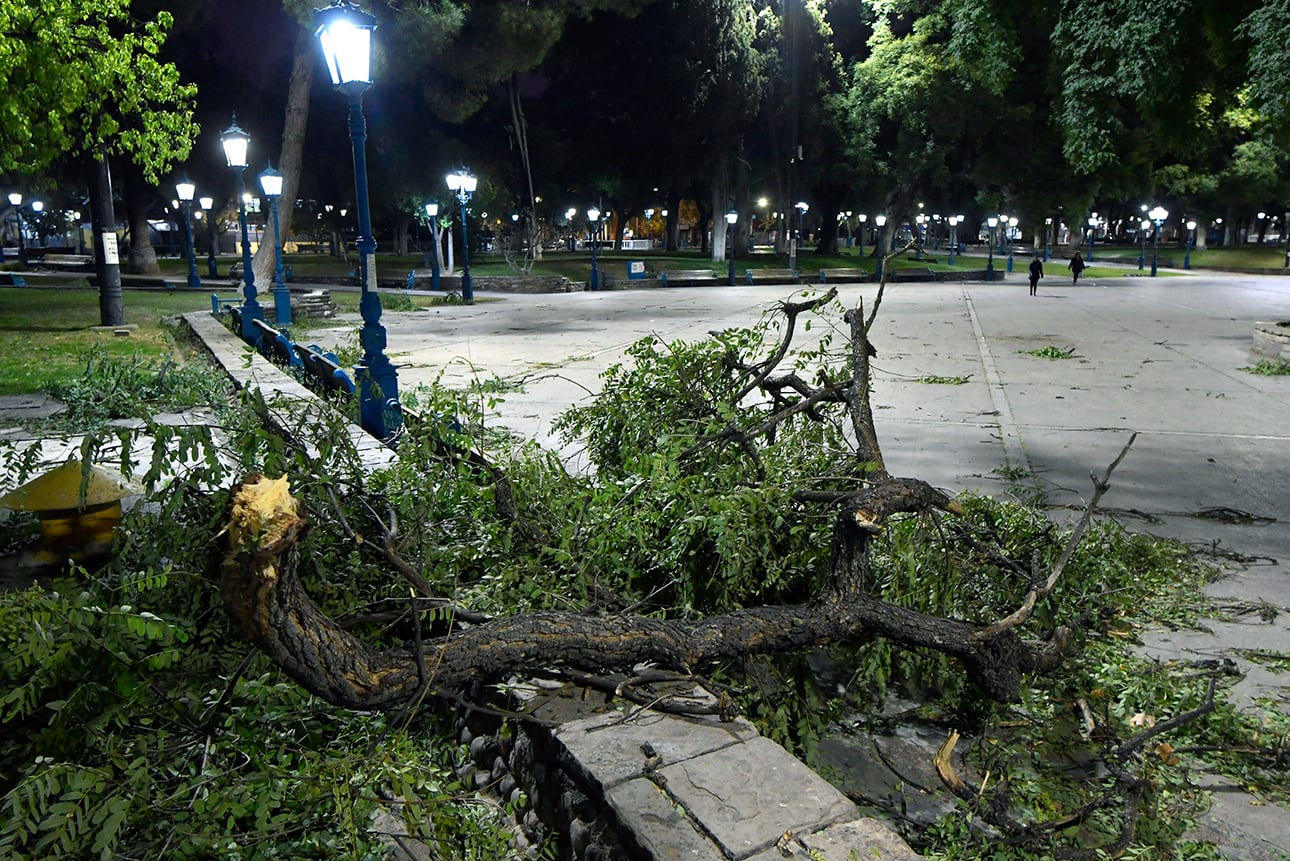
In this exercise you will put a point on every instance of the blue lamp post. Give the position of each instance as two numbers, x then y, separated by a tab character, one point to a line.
862	218
1157	215
593	220
15	200
463	184
186	190
1092	234
953	222
271	182
207	205
731	218
992	222
235	142
345	34
432	218
1191	241
1048	228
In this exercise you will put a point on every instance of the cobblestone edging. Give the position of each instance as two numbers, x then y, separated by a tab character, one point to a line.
612	781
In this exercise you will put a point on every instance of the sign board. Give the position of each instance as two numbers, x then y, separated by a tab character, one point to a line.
109	249
635	270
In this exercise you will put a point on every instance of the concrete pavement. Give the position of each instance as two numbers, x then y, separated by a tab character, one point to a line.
1161	357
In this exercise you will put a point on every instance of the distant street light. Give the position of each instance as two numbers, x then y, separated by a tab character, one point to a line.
593	219
731	218
212	267
953	221
1009	229
1048	228
880	221
1092	231
345	33
235	143
1191	241
1144	227
463	183
186	190
15	200
271	183
1158	215
432	218
862	218
992	222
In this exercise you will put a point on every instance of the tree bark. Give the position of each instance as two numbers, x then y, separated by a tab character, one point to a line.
107	264
264	597
141	258
293	143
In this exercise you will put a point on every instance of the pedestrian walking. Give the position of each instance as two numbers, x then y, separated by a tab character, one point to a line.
1036	272
1076	266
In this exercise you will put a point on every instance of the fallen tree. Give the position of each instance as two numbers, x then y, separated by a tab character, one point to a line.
263	594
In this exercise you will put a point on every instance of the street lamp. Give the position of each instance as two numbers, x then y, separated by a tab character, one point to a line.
235	142
1143	226
1158	215
593	234
186	190
463	183
207	203
862	218
1048	229
1191	240
345	33
880	221
271	183
992	222
432	216
953	221
15	199
1092	233
1008	230
921	221
731	218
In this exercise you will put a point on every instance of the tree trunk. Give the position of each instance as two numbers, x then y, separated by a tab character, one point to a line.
289	160
142	257
520	129
263	595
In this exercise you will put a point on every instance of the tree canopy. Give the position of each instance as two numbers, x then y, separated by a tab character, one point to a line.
82	77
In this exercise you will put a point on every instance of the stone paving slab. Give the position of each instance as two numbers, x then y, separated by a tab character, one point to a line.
608	748
861	840
656	826
747	796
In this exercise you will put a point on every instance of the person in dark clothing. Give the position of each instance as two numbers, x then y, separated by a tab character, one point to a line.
1076	266
1036	272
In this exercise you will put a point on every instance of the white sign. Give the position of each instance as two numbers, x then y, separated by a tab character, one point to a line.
371	273
109	249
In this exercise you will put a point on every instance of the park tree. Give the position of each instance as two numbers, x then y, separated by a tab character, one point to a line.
82	82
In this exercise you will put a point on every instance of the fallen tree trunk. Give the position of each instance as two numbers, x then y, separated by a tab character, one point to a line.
265	599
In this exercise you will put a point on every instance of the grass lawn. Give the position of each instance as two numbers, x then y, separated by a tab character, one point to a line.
47	333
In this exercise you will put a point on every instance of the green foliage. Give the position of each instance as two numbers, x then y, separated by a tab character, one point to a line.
936	380
138	388
1050	352
1269	368
82	77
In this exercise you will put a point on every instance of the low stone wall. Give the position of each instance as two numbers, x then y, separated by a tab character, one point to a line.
606	780
1271	341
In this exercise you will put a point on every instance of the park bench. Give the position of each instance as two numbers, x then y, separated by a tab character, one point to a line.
322	370
835	276
687	276
772	276
275	345
72	262
220	304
